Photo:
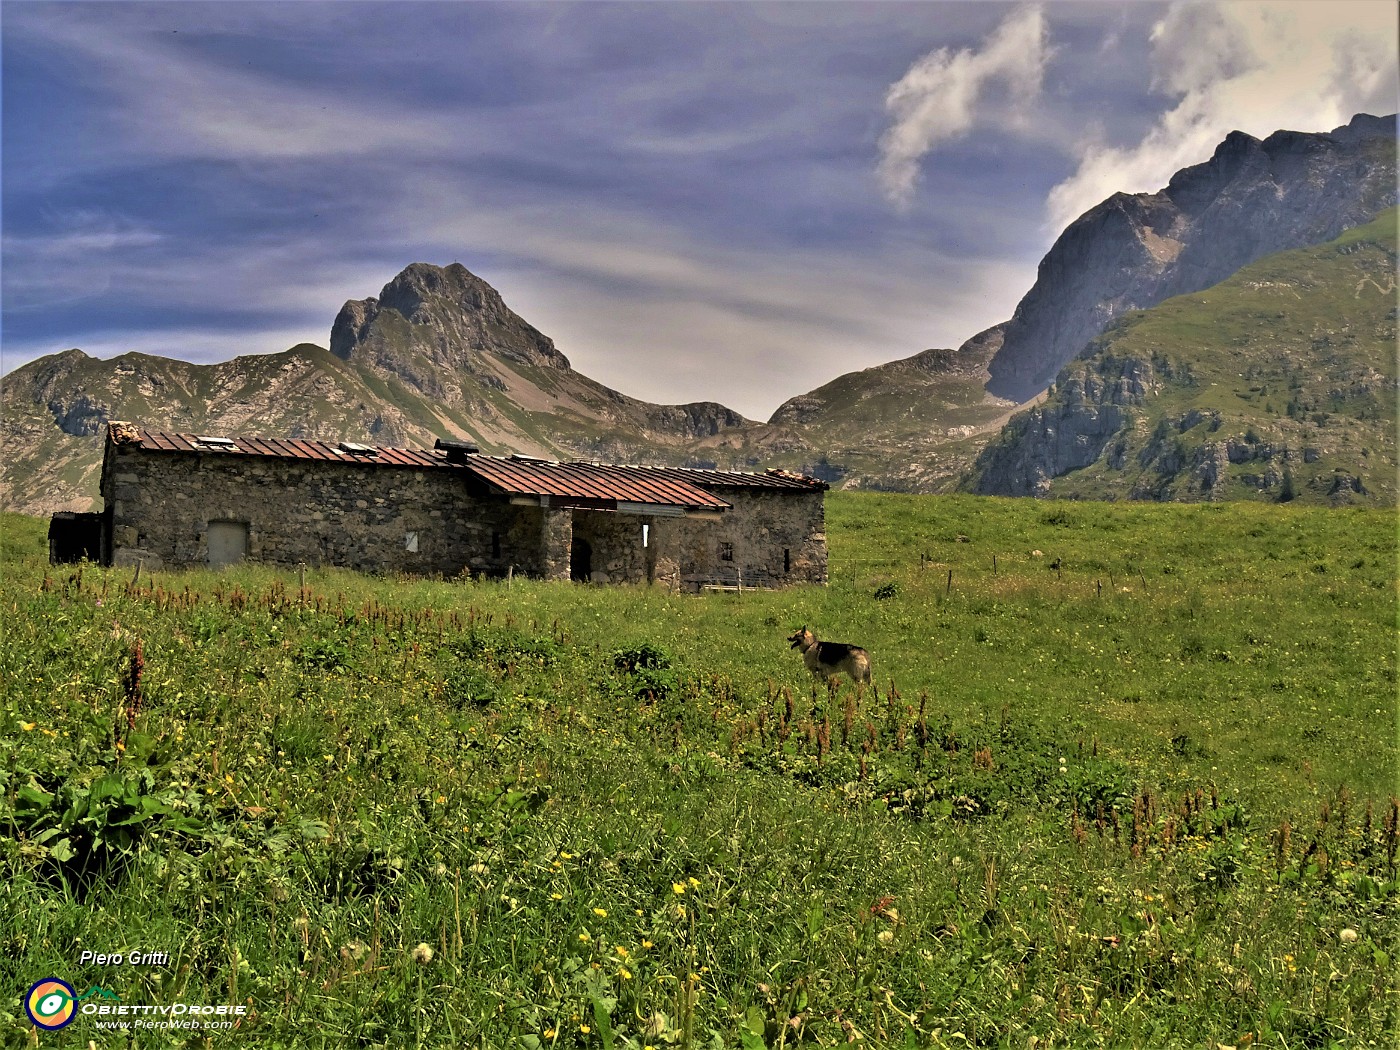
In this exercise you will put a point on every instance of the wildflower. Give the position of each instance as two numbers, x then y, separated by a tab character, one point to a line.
442	800
622	952
439	869
694	882
885	936
584	937
680	911
602	913
648	944
550	1033
624	973
556	896
678	888
584	1029
28	727
422	955
1348	936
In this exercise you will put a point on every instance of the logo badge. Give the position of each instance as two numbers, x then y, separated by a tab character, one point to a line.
50	1004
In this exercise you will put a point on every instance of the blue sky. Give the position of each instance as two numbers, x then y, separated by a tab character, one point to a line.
722	201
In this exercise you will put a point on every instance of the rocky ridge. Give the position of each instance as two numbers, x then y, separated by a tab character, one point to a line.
1251	199
1279	383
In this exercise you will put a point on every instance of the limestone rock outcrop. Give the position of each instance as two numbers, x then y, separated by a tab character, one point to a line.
1251	199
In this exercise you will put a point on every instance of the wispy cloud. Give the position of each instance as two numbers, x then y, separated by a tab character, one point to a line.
944	93
1253	67
173	101
717	320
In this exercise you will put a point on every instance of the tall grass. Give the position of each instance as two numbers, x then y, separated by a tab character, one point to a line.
1125	778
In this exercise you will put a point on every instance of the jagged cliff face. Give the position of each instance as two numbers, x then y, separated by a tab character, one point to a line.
434	326
1249	200
1279	383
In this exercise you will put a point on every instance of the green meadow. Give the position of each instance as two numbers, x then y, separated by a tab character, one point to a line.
1126	777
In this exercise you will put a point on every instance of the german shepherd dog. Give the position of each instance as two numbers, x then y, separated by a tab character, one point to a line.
829	658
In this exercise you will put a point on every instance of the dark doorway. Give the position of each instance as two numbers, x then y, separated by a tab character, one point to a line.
580	560
75	537
228	543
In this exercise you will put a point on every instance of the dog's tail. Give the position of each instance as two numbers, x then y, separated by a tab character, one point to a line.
860	661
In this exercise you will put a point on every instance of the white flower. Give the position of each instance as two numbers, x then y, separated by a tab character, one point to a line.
1348	936
885	936
422	955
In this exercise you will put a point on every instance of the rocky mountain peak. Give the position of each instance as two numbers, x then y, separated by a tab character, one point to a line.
432	324
422	288
1132	251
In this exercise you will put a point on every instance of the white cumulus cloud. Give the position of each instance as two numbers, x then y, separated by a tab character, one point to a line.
1246	66
945	92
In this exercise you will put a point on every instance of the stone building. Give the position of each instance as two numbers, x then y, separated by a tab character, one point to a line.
177	500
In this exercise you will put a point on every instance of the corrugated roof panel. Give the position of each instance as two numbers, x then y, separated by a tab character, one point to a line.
770	479
671	486
588	481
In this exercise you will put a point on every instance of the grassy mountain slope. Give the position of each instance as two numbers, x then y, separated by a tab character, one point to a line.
1277	384
908	425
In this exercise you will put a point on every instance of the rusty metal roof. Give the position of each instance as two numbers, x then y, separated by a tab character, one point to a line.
591	484
283	448
708	479
589	481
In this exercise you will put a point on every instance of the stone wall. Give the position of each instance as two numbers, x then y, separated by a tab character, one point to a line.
387	519
359	516
775	538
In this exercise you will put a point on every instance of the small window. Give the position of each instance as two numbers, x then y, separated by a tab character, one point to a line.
787	560
645	530
410	542
726	551
495	545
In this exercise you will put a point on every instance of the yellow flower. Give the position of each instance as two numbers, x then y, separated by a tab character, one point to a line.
621	952
677	888
566	856
557	896
550	1033
584	938
680	911
584	1029
602	913
694	882
624	973
28	727
442	800
648	944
